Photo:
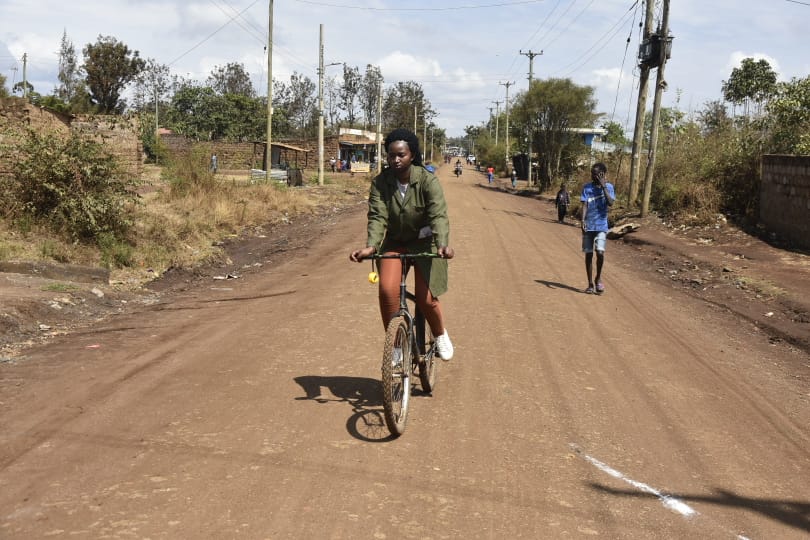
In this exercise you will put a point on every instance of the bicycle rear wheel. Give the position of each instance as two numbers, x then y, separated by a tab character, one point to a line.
427	355
396	375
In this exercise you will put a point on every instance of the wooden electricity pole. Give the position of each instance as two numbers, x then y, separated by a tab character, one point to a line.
268	157
531	56
379	128
320	108
660	85
497	115
641	107
507	85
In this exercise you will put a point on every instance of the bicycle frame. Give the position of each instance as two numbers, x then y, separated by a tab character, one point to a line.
396	374
417	319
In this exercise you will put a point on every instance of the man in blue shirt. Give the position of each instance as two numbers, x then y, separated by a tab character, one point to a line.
596	198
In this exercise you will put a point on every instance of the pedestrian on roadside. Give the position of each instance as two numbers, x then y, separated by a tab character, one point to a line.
563	201
597	197
407	213
490	174
332	163
214	165
514	178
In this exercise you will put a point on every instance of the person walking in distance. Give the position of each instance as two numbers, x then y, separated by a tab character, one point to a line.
514	178
490	174
597	197
407	213
563	200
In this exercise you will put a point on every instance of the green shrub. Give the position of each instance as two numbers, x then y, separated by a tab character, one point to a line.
115	253
188	172
71	186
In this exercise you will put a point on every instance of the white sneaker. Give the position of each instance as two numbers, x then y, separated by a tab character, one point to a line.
444	347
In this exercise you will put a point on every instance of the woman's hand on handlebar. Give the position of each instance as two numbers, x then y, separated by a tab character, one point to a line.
446	252
359	254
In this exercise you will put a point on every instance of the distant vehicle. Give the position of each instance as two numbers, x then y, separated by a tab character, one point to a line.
471	159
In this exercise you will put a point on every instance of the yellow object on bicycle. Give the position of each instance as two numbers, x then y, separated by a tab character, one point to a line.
373	277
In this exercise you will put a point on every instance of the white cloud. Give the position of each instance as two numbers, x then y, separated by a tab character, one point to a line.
402	66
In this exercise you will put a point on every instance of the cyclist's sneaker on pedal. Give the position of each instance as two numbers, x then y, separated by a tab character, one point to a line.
444	347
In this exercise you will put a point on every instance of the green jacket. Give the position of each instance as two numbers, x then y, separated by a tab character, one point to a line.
395	223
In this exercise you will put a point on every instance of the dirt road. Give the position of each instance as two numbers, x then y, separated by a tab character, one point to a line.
250	408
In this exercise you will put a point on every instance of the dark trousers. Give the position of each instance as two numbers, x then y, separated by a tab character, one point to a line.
561	211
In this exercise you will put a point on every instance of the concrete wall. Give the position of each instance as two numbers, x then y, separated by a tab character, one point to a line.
785	197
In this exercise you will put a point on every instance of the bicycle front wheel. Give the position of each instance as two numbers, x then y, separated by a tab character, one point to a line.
396	375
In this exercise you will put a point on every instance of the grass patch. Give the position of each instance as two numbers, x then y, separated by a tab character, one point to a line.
59	287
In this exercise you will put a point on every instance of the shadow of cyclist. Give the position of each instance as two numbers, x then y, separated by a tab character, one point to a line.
364	395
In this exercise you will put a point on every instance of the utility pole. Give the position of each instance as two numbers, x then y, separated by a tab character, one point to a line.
321	73
660	84
157	125
641	107
497	115
320	107
268	157
490	120
25	76
424	137
379	129
415	114
507	85
531	56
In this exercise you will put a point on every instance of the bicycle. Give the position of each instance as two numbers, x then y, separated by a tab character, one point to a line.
409	349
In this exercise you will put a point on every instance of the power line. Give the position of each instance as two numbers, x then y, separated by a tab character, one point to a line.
624	59
612	31
212	34
457	8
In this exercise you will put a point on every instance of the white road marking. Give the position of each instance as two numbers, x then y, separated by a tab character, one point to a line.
671	503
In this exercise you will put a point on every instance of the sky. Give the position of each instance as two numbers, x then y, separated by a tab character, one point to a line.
466	54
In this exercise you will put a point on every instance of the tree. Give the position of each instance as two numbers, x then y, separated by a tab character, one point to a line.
349	92
152	84
789	117
332	100
400	103
551	109
370	88
754	81
298	101
3	89
110	66
231	79
70	83
615	134
714	118
198	112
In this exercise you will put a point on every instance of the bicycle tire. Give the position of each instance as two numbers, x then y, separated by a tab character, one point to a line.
427	355
396	379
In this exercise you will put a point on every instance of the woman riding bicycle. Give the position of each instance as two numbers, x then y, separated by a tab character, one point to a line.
407	213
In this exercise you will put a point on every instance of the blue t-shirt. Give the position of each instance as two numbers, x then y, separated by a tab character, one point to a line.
594	197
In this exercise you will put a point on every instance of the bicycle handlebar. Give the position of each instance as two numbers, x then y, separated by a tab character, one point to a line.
425	255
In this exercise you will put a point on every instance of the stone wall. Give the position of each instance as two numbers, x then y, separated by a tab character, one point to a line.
119	135
785	197
240	156
16	117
